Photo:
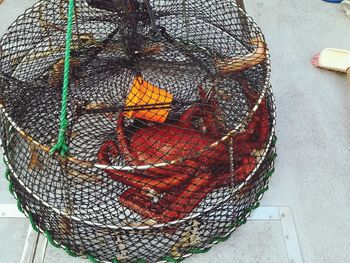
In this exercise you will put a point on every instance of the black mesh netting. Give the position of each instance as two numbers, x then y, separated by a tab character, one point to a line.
170	124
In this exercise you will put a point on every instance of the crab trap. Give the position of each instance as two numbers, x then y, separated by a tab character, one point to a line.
136	130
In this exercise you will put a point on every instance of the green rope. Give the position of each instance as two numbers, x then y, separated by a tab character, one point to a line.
51	240
31	220
262	191
61	145
241	221
274	141
70	252
19	205
269	174
253	207
11	187
172	260
221	239
273	156
232	225
199	250
7	174
92	259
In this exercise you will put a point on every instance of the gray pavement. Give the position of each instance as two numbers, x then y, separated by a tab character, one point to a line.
313	127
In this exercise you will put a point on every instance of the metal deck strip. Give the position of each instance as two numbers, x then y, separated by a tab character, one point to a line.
10	210
290	235
35	247
265	213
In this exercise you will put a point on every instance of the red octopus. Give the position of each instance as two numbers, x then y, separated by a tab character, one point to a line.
178	164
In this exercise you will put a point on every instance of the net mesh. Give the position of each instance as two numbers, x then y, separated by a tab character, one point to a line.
170	124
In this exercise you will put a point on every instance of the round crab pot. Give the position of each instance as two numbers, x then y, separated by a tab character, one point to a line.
169	124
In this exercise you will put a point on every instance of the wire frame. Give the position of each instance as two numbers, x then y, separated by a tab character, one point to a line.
171	124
